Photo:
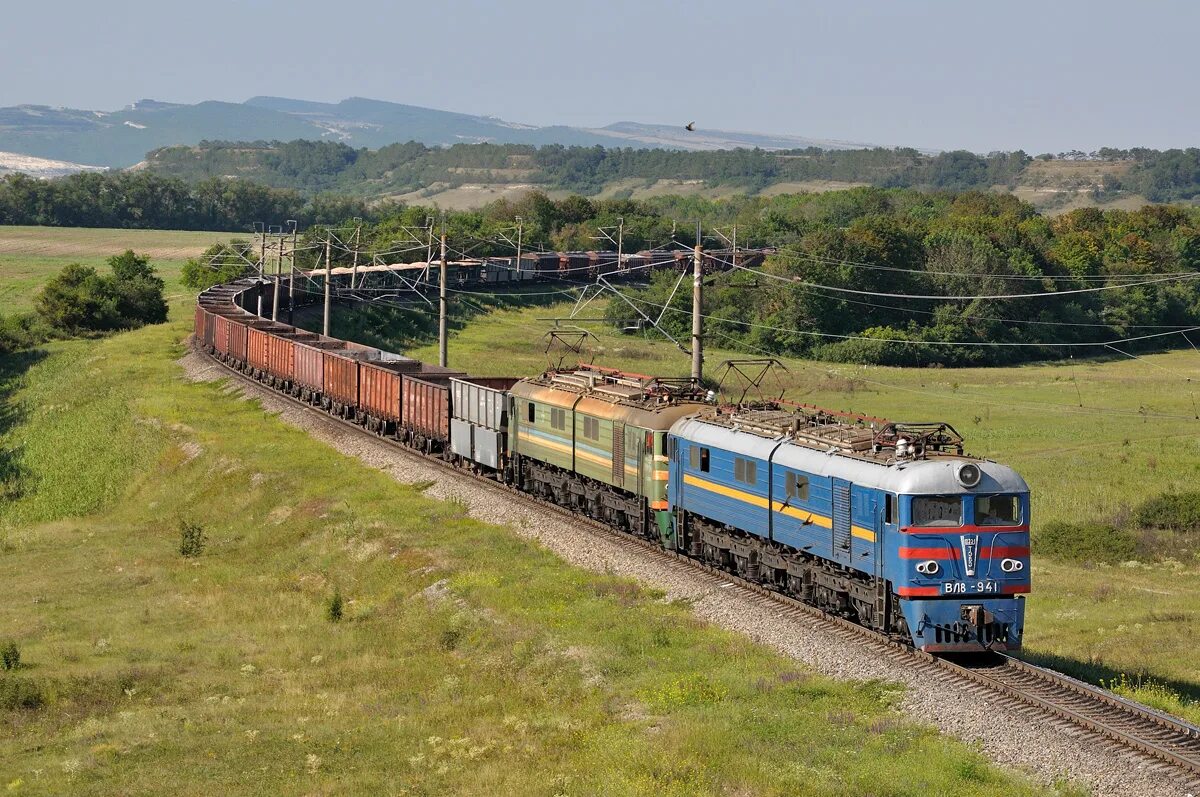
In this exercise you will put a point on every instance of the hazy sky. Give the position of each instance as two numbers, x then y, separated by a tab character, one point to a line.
1042	76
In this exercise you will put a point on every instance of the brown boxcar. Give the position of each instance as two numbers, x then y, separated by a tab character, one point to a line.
425	410
221	334
256	348
210	331
198	325
310	369
380	386
237	340
341	376
281	357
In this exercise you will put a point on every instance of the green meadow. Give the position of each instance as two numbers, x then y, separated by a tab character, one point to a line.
205	600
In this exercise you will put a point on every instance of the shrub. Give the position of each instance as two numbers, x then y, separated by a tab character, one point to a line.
1173	511
191	539
1088	541
20	693
334	606
79	299
10	656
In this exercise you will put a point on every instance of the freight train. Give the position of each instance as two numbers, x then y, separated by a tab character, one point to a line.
890	525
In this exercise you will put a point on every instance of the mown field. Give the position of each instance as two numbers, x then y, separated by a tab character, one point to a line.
31	255
465	660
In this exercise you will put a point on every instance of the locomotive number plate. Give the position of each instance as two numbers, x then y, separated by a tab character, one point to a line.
969	587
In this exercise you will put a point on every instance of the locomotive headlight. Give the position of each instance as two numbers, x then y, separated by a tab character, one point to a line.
968	474
928	568
1012	565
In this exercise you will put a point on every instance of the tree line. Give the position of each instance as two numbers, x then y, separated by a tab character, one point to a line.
150	201
314	167
879	241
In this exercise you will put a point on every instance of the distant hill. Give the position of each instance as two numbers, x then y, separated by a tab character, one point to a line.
121	138
471	175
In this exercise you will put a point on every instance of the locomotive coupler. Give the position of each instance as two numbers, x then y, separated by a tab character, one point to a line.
976	615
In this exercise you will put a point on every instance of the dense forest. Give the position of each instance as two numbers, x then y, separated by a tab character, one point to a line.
150	201
845	285
821	295
325	182
316	166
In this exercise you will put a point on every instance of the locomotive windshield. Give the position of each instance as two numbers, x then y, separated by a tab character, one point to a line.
997	510
937	510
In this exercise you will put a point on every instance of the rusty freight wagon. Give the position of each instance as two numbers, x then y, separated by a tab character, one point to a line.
380	388
341	377
309	383
425	410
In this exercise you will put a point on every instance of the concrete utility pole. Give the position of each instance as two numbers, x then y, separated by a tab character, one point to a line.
278	277
354	268
697	290
620	241
292	272
443	354
262	265
328	279
520	226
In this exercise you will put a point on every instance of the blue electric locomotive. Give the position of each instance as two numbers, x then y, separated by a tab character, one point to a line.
888	524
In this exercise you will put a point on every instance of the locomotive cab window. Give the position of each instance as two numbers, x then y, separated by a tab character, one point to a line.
531	412
937	510
698	458
997	510
889	509
795	486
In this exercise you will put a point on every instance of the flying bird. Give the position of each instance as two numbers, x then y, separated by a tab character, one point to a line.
690	126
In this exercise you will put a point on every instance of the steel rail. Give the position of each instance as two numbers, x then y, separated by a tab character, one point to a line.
1126	725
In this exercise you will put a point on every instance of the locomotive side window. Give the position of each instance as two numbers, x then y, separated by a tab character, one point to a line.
558	418
796	486
532	412
704	460
997	510
591	428
889	509
745	470
694	457
937	510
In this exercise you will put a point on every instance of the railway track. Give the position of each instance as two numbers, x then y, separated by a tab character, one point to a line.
1166	744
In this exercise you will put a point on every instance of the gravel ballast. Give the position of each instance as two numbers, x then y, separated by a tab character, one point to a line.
1046	750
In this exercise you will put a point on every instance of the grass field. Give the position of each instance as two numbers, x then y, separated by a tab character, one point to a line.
466	661
1135	436
31	255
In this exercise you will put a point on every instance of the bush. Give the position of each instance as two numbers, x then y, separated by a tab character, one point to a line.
191	539
1171	511
22	332
79	299
1086	542
10	656
20	693
333	608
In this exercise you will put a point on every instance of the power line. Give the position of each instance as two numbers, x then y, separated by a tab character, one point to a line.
940	297
875	267
812	333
